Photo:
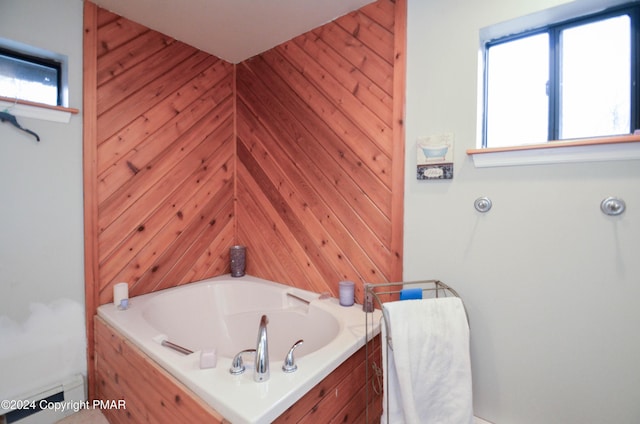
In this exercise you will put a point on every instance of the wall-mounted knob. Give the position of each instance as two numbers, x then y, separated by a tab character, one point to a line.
482	204
612	206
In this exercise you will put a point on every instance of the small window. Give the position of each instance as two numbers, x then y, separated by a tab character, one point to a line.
573	79
30	78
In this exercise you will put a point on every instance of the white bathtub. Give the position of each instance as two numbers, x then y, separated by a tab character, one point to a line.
224	313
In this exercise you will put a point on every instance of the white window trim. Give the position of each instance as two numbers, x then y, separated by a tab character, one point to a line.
563	12
584	150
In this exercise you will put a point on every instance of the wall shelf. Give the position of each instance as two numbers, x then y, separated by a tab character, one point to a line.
625	147
26	109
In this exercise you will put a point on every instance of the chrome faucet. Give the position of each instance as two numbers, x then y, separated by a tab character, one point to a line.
261	369
237	365
289	364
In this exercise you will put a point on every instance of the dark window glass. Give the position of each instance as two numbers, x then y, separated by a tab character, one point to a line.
28	78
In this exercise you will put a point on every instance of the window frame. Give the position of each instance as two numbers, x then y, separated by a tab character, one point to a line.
554	30
47	62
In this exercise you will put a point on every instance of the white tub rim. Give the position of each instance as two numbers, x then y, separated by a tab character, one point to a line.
227	394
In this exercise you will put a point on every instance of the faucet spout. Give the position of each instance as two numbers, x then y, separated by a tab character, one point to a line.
261	369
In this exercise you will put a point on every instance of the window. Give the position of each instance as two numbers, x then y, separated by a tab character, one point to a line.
571	79
32	78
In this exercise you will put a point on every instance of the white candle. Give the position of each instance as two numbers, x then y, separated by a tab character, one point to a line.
120	291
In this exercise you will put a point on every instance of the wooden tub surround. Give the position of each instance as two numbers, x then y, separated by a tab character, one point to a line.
151	394
297	153
154	396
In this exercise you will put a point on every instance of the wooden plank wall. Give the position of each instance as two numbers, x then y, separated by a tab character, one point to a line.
350	394
315	149
297	153
151	394
164	159
319	169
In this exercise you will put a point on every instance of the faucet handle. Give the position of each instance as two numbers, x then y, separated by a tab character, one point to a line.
237	365
289	365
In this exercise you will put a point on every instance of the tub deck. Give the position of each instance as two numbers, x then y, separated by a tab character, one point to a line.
186	314
154	395
223	313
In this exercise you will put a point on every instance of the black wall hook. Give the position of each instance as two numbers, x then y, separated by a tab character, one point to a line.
7	117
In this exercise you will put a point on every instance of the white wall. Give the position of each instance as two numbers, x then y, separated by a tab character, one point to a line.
41	230
551	284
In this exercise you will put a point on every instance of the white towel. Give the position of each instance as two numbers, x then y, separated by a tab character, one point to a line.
429	369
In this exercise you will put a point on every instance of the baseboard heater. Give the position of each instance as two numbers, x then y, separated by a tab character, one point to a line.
39	406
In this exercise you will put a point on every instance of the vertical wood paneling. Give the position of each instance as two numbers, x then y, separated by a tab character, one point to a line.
316	154
397	177
90	182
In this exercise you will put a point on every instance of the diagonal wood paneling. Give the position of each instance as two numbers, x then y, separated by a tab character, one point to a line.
315	150
297	153
300	142
164	161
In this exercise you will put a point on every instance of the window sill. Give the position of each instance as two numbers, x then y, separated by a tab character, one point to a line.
27	109
625	147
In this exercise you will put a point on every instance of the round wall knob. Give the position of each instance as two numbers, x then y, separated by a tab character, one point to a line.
612	206
483	204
